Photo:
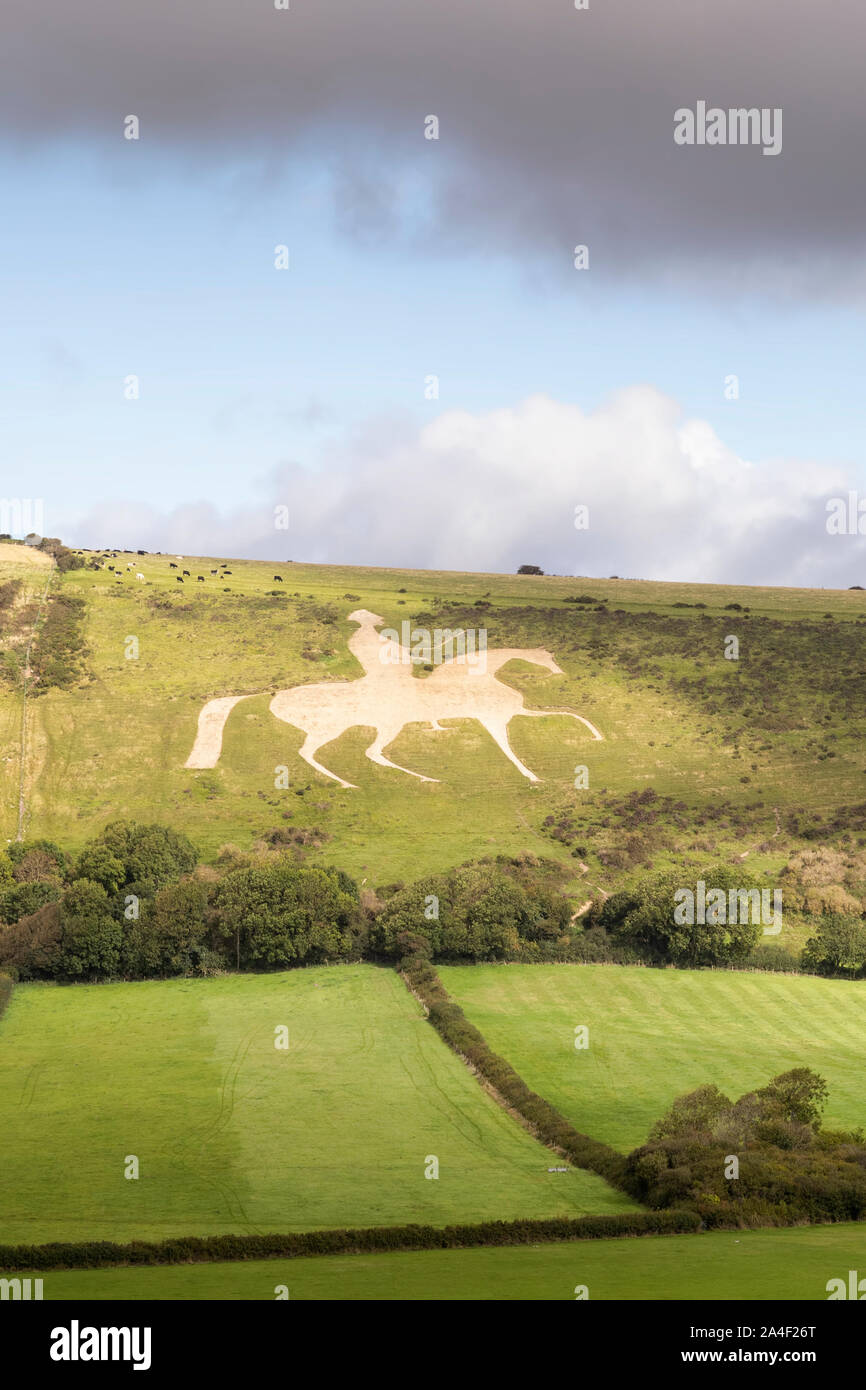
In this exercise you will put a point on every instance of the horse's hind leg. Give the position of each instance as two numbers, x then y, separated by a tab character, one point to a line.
311	745
375	754
498	730
569	714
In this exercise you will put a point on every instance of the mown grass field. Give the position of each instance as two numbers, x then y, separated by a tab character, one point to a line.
793	1264
234	1135
115	744
656	1034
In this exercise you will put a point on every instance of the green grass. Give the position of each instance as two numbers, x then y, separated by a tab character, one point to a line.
655	1034
233	1135
743	1265
116	744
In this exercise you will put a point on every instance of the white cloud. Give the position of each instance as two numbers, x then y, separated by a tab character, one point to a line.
667	499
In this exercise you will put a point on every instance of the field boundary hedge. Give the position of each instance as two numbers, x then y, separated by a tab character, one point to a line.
370	1240
541	1118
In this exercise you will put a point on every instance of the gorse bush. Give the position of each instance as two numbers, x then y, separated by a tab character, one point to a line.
59	651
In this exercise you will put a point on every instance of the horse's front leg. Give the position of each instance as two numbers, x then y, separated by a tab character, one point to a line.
376	755
311	745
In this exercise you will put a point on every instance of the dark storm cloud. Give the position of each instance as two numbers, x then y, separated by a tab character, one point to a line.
556	124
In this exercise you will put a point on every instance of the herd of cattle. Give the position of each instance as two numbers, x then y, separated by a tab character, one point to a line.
222	572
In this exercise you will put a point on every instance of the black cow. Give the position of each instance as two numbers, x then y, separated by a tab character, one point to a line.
278	578
214	571
225	572
200	578
172	565
187	573
178	578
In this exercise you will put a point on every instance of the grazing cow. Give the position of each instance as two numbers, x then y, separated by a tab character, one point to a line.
278	578
187	573
172	565
111	567
200	578
141	577
225	572
178	578
226	591
214	571
131	565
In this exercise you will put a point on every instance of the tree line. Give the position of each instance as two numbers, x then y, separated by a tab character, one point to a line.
136	903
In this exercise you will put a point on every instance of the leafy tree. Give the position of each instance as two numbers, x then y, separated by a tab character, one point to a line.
34	859
21	899
97	863
171	935
650	915
696	1112
90	935
29	947
150	855
480	911
838	947
280	913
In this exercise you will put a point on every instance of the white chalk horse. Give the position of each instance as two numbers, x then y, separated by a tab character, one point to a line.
386	698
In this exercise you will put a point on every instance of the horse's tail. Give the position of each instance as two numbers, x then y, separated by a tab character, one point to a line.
209	737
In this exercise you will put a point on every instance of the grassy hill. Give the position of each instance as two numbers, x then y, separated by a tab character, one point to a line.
734	744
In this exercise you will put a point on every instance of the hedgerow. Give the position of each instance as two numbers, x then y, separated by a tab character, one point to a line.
297	1245
464	1038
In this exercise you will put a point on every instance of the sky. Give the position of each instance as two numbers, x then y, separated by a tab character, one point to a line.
431	381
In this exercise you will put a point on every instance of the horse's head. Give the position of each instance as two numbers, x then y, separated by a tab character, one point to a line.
366	618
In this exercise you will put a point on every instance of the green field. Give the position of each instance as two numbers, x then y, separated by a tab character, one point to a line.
655	1034
233	1135
750	1265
